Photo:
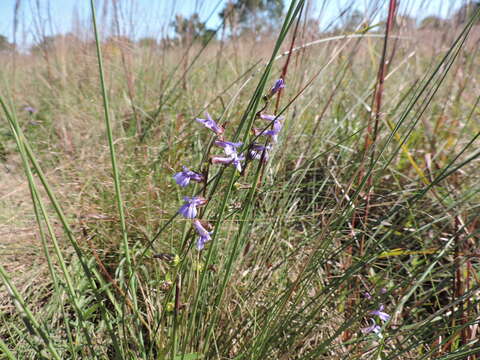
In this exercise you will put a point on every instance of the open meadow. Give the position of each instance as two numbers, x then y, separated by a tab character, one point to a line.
262	189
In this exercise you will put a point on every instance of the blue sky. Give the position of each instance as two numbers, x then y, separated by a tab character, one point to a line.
151	17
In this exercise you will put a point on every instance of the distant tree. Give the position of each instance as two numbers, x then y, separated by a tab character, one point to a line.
167	42
119	40
50	43
117	45
352	21
188	28
432	22
255	15
312	28
5	45
147	42
192	28
463	15
405	22
46	44
207	35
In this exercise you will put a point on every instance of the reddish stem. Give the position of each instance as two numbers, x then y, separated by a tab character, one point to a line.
287	62
369	139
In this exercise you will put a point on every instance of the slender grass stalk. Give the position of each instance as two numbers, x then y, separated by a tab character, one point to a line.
6	351
113	160
23	309
116	175
27	155
251	109
37	201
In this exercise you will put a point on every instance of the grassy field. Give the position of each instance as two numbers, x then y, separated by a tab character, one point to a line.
356	239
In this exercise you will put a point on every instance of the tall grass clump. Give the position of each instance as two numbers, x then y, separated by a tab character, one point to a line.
289	195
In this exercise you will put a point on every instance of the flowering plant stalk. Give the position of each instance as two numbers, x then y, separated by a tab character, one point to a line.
233	156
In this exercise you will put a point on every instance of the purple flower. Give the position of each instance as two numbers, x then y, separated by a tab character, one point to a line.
257	150
277	126
367	295
211	124
228	147
30	109
183	178
189	209
233	159
271	117
272	133
373	328
279	84
382	315
204	234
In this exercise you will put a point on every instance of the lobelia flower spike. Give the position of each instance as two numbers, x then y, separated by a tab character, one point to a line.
189	208
204	234
382	315
373	328
211	124
279	85
233	159
183	178
228	147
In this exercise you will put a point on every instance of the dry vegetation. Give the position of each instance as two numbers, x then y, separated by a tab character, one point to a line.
326	221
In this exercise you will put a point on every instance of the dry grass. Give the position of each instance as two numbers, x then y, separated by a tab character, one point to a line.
293	207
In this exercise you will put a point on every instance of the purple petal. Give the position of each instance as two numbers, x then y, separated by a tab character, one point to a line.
238	165
279	84
200	243
373	328
221	160
193	175
196	177
211	124
228	147
277	126
382	315
271	117
204	234
198	200
200	229
270	132
188	211
202	121
236	161
256	151
267	117
30	109
233	158
181	179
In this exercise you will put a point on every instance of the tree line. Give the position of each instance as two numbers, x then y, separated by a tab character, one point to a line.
247	17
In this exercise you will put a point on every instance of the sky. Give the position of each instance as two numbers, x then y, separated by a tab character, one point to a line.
142	18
